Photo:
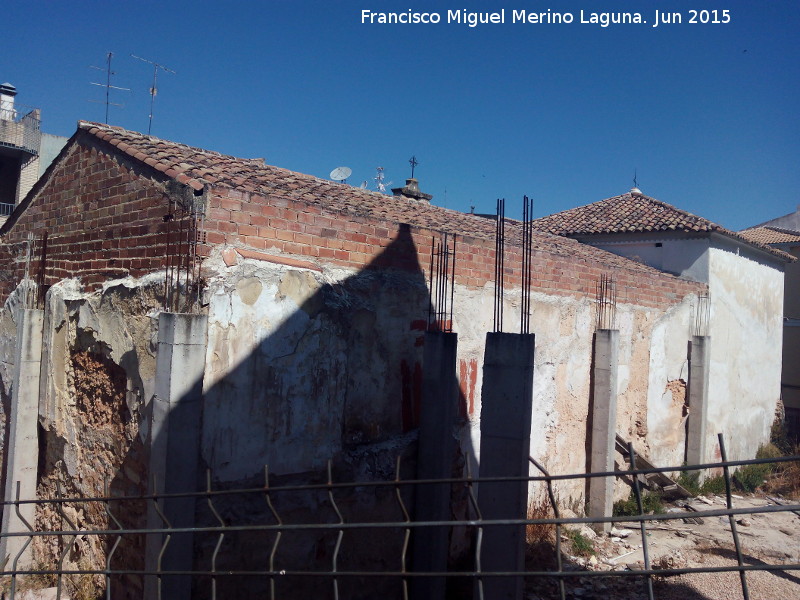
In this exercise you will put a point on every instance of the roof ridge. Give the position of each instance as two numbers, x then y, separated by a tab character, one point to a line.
782	230
88	125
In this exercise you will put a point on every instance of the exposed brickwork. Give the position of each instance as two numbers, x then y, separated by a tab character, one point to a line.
103	206
324	237
103	220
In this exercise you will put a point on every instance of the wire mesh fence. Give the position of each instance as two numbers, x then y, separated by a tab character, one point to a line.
256	540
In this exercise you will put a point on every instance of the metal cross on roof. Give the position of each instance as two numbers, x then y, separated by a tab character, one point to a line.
413	162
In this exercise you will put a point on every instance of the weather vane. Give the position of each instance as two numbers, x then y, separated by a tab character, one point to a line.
635	184
413	162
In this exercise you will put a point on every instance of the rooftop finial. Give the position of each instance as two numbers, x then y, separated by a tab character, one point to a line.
635	189
413	162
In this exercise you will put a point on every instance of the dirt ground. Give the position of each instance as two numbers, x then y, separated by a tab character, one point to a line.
765	538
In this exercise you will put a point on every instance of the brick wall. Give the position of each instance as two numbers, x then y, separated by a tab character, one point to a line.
103	219
103	213
307	230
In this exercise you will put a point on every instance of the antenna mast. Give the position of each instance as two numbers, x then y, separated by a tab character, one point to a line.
154	89
108	85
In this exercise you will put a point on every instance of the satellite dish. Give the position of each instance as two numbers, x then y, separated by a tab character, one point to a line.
341	173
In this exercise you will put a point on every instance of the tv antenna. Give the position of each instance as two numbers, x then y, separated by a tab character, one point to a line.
341	174
154	89
379	183
107	84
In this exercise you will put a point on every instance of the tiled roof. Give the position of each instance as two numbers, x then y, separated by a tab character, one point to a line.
197	168
627	213
771	235
635	213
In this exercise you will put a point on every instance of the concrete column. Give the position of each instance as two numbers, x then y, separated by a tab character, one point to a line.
435	455
22	444
699	360
506	400
175	431
604	424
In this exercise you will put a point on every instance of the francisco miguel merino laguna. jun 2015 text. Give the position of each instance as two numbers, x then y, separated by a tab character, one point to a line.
548	17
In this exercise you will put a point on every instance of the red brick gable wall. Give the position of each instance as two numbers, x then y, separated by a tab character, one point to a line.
103	217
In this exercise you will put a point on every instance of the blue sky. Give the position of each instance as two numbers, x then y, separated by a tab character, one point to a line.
708	115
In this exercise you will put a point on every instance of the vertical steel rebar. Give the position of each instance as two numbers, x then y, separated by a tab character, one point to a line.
702	316
499	264
637	491
606	300
40	277
452	284
527	251
731	518
167	218
442	284
432	278
29	249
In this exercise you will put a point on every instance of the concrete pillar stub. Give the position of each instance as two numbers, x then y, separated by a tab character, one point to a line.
604	424
698	401
435	455
506	405
22	444
175	431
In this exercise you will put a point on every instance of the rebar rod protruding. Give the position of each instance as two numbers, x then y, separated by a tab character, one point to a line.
606	313
527	250
499	264
701	317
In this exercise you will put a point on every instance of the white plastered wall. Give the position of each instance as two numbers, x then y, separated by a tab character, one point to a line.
746	321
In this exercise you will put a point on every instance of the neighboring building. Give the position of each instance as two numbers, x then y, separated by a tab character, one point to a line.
25	152
783	233
745	288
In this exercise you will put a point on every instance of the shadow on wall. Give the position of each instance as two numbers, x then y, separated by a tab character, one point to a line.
340	378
